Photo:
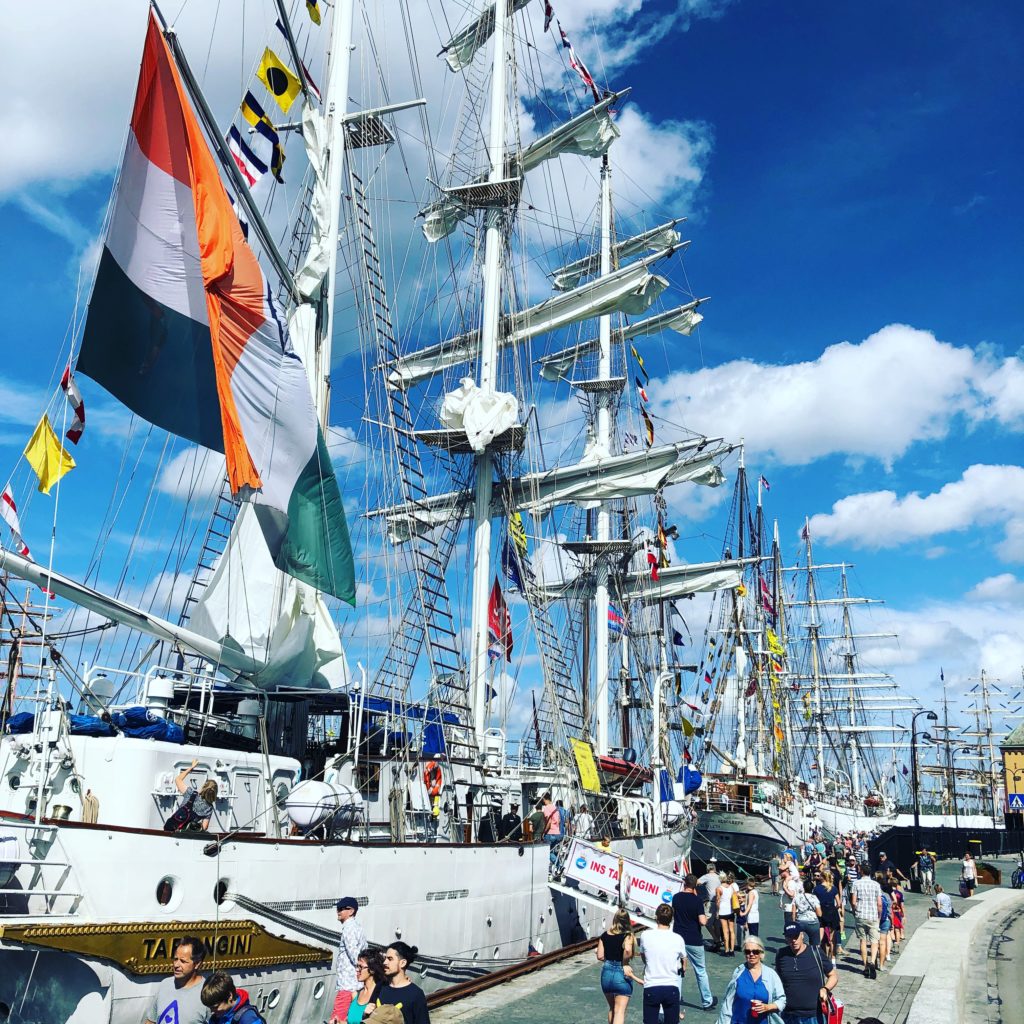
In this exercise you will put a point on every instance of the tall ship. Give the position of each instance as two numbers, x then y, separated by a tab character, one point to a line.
851	723
380	613
753	802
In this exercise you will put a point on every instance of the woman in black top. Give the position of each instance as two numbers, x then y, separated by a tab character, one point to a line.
828	896
399	990
615	950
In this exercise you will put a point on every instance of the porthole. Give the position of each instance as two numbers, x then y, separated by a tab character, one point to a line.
497	950
164	891
14	782
274	998
220	890
319	989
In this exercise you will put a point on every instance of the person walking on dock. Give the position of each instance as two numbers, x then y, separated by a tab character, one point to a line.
688	918
925	869
968	875
774	868
351	943
866	899
614	951
708	884
664	955
400	990
754	992
727	897
807	977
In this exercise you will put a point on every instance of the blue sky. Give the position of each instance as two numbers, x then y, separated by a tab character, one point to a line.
855	206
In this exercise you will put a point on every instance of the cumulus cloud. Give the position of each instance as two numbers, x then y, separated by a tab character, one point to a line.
871	399
1004	587
983	496
193	474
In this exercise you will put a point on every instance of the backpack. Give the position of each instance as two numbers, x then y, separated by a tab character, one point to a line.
182	816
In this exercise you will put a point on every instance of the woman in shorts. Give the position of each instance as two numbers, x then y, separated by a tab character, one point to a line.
726	913
615	950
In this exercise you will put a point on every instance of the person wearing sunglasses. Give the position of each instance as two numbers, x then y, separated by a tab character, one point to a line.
371	975
754	994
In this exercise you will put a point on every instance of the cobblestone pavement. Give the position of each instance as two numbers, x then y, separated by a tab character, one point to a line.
570	992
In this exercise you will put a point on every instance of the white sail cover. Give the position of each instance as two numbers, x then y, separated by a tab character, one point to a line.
588	134
660	237
252	607
593	480
620	476
629	290
483	416
311	273
460	50
682	319
674	581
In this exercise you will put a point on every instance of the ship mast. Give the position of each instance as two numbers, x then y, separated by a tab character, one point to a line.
601	668
814	627
493	253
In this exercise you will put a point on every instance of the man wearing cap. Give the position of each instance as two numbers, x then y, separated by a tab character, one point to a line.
807	977
351	944
510	828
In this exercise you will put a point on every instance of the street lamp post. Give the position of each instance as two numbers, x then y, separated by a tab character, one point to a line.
932	717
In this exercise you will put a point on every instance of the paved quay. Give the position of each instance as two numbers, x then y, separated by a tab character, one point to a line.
989	979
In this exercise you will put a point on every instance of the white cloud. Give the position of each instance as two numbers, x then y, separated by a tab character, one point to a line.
1004	587
193	474
873	399
983	496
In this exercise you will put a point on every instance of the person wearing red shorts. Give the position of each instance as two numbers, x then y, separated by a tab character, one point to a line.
350	945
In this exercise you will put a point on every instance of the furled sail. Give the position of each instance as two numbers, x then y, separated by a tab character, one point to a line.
629	290
660	237
594	480
673	582
682	319
460	50
588	134
251	607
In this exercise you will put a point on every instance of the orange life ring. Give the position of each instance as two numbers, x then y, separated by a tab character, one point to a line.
432	778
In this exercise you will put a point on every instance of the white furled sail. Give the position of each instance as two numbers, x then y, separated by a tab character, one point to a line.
629	290
592	480
673	582
483	416
460	50
251	607
682	319
620	476
660	237
588	134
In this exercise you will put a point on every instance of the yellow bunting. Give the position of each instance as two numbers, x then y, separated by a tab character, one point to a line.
46	456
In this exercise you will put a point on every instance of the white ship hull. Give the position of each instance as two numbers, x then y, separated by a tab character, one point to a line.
839	818
471	909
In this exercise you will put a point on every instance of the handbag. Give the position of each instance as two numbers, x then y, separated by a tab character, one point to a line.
735	900
832	1010
182	816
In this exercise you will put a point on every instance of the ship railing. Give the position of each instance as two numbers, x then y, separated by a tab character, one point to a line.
36	876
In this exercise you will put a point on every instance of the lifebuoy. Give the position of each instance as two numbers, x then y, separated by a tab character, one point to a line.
432	778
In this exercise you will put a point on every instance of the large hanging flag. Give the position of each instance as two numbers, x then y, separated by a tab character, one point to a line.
279	79
648	426
510	566
46	455
74	397
499	625
640	363
183	330
577	65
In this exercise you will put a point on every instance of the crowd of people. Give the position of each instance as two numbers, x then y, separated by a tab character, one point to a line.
371	984
827	888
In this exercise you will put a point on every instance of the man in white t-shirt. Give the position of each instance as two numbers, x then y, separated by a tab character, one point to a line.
177	998
664	955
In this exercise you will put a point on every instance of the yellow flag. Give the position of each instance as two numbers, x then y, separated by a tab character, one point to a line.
773	644
741	590
584	754
517	531
279	80
687	727
314	11
46	456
